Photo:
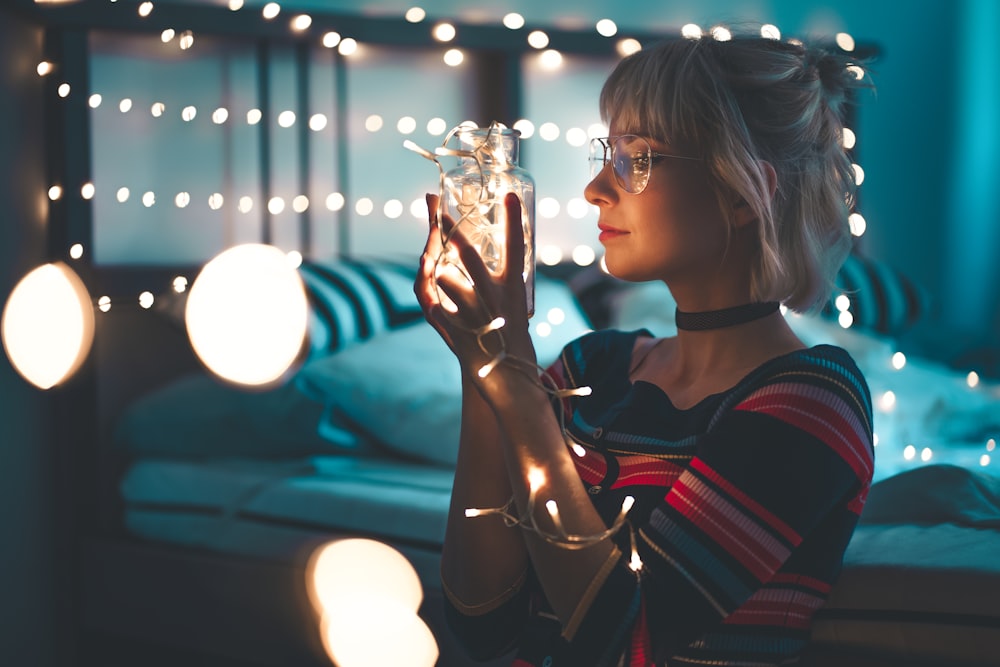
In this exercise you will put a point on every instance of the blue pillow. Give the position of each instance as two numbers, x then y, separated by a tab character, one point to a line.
352	300
883	300
200	417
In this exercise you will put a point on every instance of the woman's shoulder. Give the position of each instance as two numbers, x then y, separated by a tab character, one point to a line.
818	370
602	349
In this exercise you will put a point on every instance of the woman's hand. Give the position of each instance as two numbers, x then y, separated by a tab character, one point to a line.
451	269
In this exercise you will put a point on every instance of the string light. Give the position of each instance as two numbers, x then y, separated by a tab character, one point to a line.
691	31
444	32
513	21
271	11
606	28
44	68
415	15
186	40
537	39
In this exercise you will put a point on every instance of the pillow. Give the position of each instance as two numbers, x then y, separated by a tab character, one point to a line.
403	388
353	300
935	494
199	417
882	299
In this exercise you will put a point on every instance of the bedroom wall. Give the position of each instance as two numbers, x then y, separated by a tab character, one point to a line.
27	559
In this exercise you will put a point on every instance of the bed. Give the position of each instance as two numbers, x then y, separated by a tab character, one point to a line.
223	494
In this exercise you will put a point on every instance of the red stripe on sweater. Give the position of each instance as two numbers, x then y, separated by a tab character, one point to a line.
746	501
728	527
786	578
820	420
646	471
591	467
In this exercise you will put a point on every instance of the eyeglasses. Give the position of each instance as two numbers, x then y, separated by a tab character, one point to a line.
631	159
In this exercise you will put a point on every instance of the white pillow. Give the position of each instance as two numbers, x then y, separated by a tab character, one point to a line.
403	388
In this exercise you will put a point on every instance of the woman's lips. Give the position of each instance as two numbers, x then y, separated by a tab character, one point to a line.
608	233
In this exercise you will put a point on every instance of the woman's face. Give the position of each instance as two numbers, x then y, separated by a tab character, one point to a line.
673	230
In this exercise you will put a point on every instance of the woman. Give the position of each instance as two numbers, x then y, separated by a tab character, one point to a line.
748	456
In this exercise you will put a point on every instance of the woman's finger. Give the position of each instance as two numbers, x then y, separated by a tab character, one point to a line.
515	236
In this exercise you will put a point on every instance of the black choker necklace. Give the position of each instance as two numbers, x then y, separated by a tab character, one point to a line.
726	317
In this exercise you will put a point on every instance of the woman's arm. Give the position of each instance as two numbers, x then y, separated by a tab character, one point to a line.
484	561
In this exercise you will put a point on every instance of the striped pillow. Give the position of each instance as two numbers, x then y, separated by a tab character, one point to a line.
883	300
352	300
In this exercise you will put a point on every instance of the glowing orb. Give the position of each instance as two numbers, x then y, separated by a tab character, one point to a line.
246	315
48	325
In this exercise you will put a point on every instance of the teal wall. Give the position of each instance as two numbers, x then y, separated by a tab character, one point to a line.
27	544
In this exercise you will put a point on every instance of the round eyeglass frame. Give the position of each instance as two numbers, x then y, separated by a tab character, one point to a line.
626	167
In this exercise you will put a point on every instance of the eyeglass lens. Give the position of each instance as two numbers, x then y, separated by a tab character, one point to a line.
630	160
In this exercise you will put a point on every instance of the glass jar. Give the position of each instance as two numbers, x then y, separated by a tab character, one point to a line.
475	191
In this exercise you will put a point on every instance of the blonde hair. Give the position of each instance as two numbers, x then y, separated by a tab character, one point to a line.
739	102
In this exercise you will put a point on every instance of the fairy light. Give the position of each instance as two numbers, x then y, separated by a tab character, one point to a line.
148	199
849	138
415	14
331	39
453	57
275	205
364	206
491	365
857	71
271	11
770	31
182	199
301	22
584	255
125	105
76	251
393	209
55	192
444	32
95	100
254	116
235	5
887	401
406	125
215	201
898	361
104	304
909	452
157	109
220	115
972	379
146	300
145	9
553	511
44	68
926	454
188	113
245	205
691	31
578	449
186	40
525	127
335	201
991	444
842	302
857	223
436	127
63	90
606	28
550	255
845	41
984	460
300	204
628	46
513	21
348	46
578	208
859	174
845	319
122	195
537	39
721	34
548	131
180	284
548	207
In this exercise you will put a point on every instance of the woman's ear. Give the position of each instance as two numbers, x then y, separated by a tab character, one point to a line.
743	213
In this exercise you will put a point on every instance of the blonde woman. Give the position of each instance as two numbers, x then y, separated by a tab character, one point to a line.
703	486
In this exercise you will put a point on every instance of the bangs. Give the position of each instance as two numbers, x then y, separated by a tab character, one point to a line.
652	93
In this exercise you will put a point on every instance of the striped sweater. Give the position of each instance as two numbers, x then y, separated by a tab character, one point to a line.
744	506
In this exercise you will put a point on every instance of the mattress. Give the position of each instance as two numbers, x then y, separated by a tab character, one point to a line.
282	511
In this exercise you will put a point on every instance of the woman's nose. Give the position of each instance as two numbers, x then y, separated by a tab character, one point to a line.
601	189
